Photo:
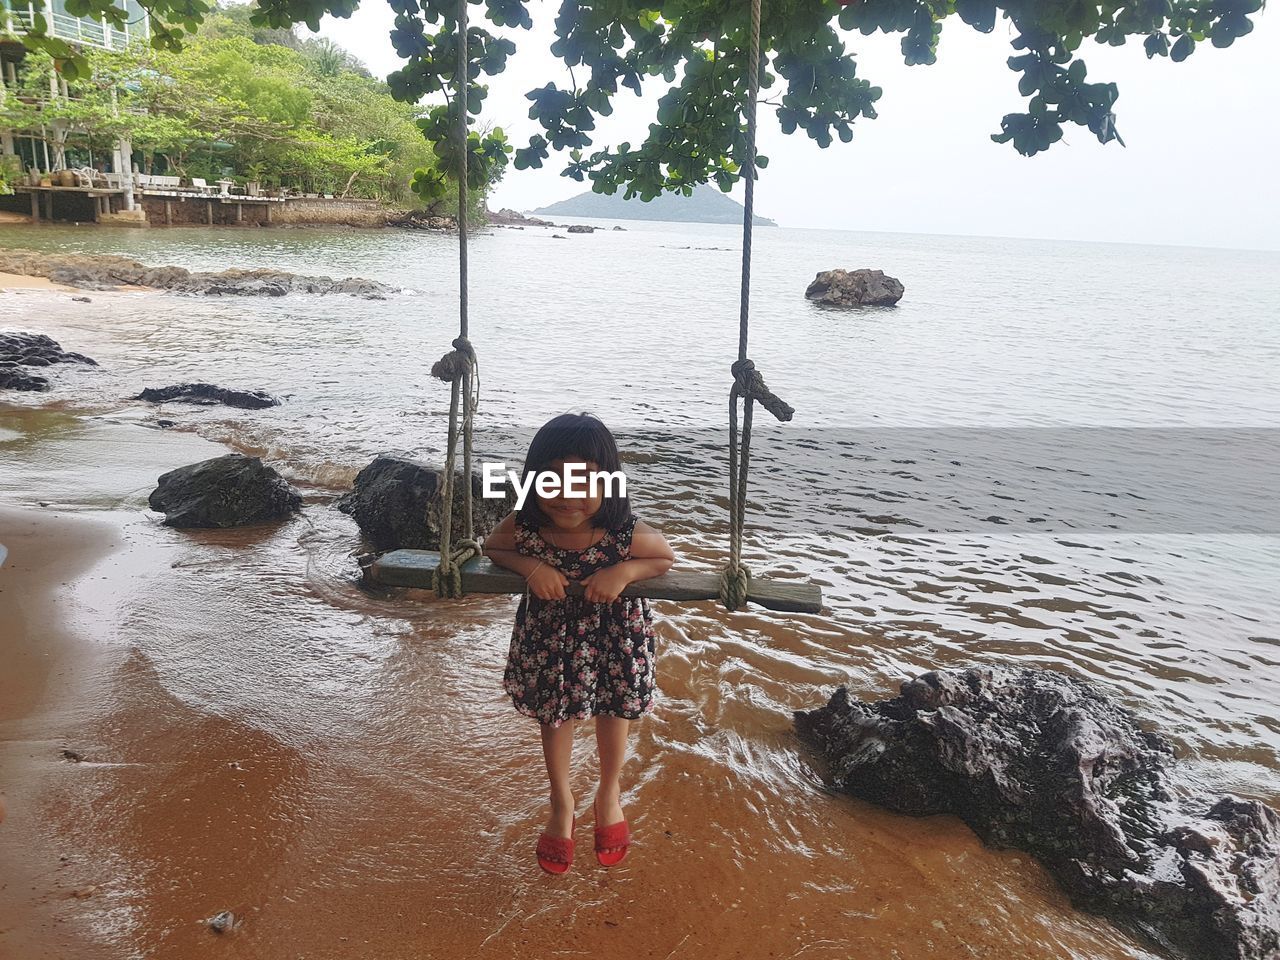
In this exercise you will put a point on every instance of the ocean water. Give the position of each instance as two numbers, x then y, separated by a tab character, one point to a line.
1051	454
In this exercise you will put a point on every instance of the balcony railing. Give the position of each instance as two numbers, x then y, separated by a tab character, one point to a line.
79	30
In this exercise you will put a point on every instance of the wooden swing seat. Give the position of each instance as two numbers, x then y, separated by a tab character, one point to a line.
413	568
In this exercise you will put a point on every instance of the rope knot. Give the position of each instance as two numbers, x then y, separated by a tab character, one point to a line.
748	383
734	580
455	364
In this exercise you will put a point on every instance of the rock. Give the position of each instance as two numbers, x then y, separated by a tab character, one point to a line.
1046	763
580	228
99	272
558	236
84	893
224	922
855	288
75	756
618	229
82	300
36	350
397	501
512	218
229	491
423	220
17	380
208	394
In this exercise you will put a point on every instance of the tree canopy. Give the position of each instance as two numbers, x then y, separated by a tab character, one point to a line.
699	50
263	103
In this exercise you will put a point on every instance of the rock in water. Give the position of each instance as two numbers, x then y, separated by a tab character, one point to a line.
207	393
31	350
1044	762
397	501
229	491
855	288
581	228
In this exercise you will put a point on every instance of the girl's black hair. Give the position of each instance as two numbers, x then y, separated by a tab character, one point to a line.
575	436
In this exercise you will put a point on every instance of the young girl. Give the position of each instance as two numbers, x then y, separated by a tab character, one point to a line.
575	657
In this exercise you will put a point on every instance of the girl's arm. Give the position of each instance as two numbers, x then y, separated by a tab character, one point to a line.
651	556
544	580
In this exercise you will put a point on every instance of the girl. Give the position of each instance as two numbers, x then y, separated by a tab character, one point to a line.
575	657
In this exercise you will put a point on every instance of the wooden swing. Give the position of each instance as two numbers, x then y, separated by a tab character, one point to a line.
463	569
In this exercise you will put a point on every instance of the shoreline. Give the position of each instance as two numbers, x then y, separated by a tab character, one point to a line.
45	659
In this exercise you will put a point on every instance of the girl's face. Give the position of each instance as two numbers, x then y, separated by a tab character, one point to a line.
570	513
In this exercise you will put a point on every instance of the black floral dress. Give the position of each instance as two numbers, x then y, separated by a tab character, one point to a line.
572	658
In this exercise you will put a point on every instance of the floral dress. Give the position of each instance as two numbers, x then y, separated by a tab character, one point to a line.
572	658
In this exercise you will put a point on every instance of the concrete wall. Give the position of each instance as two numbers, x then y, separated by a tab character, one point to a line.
294	211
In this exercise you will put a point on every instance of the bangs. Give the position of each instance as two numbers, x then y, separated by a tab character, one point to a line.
573	436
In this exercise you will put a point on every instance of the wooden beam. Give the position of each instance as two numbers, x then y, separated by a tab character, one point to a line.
35	206
413	568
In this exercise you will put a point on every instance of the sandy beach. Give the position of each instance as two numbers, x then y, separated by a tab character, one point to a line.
14	281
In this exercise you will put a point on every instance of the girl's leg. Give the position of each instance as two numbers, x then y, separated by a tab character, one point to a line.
611	742
557	750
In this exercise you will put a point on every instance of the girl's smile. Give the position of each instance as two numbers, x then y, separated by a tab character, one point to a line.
571	513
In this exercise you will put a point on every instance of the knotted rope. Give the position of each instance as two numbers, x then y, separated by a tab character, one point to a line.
748	384
460	369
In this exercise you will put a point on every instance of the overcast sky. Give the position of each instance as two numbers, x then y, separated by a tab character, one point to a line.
1201	136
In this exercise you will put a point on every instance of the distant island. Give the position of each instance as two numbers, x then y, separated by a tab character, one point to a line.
707	205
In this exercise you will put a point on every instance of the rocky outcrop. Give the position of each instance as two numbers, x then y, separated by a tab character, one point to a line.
855	288
19	350
513	218
397	501
580	228
229	491
1046	763
207	394
423	220
92	272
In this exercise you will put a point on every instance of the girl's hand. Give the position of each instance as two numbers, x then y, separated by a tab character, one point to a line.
547	583
605	585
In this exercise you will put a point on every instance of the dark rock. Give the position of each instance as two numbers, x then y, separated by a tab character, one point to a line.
18	350
397	501
618	228
580	228
207	394
166	423
1046	763
228	491
558	236
82	300
12	379
855	288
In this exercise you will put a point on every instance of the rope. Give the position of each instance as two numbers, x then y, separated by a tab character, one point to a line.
748	384
460	369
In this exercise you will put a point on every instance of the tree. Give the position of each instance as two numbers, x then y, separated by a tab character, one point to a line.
699	49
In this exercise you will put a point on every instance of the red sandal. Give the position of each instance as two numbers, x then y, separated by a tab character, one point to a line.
612	842
555	854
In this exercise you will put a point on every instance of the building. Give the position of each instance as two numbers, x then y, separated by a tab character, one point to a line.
32	147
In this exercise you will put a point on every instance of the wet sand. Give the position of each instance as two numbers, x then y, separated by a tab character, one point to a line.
342	772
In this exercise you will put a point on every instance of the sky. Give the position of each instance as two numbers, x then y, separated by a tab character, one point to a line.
1199	165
